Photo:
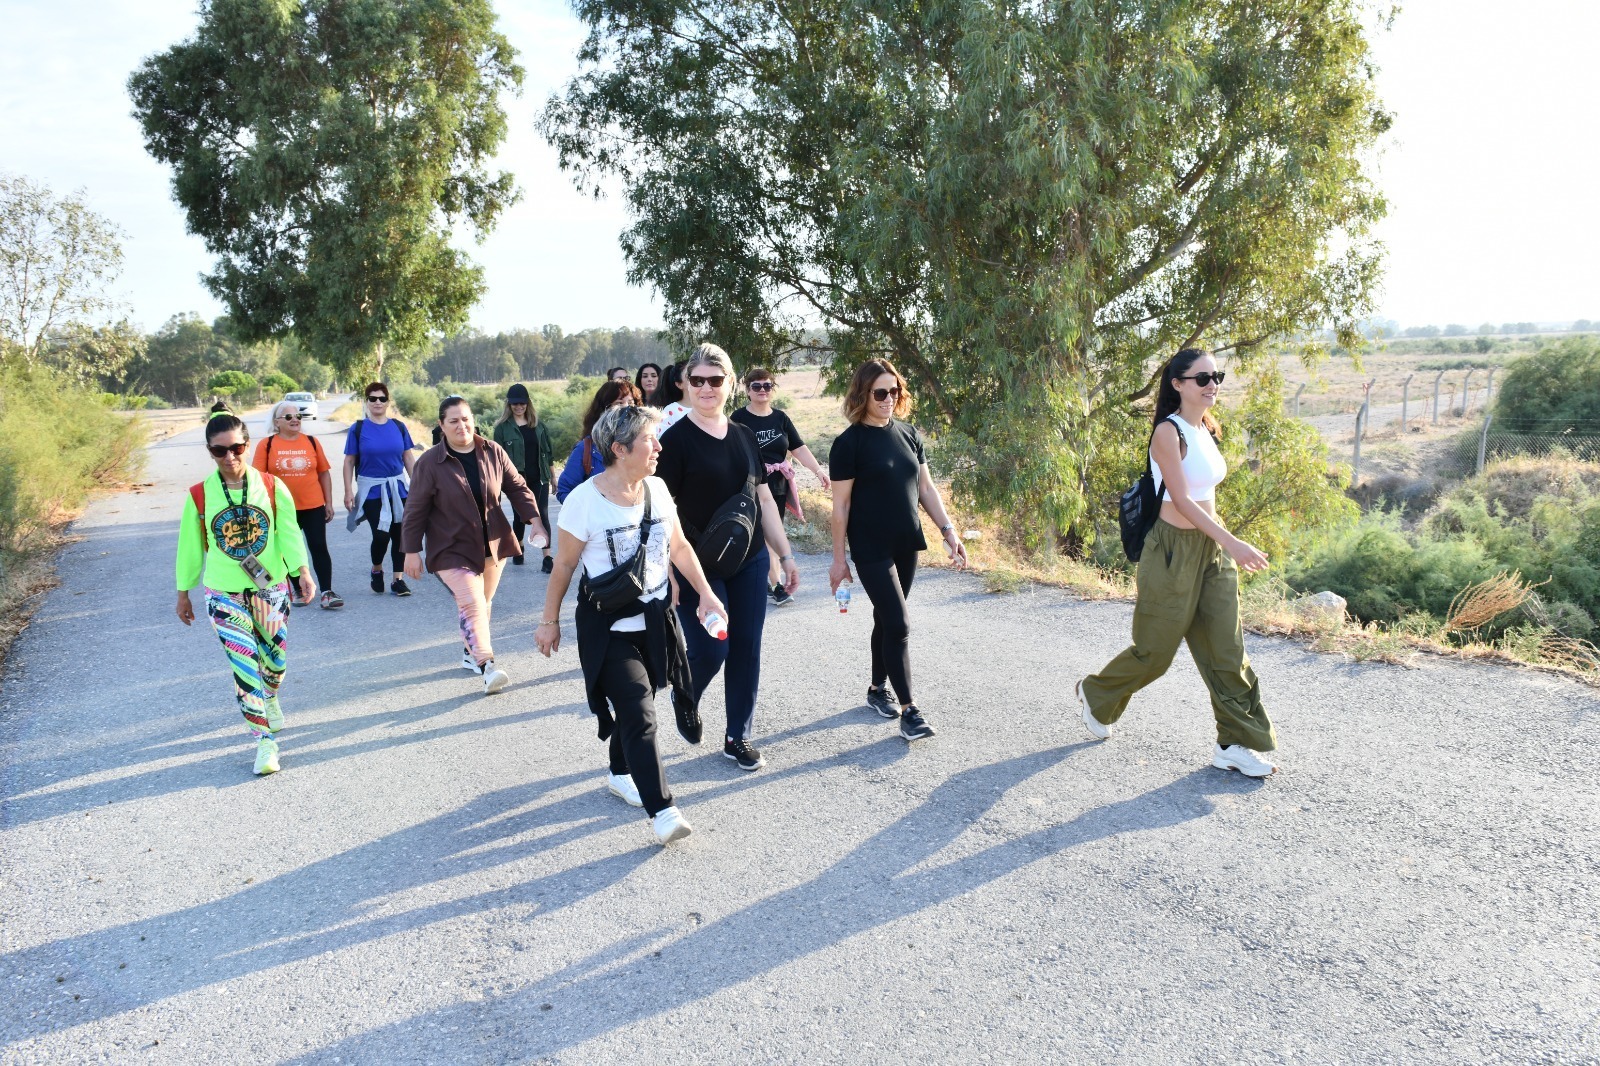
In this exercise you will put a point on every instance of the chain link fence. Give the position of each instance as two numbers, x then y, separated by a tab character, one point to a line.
1495	438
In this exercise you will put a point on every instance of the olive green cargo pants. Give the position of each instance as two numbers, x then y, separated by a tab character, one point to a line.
1188	589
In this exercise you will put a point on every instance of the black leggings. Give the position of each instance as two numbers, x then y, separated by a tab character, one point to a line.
541	496
626	682
887	583
381	539
314	524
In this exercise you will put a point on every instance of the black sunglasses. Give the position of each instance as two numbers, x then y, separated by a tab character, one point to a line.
883	394
1204	378
287	417
219	450
715	381
377	399
762	386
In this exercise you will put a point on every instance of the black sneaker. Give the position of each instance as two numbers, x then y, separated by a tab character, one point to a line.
549	563
780	596
399	587
517	560
742	753
880	700
689	726
912	725
377	582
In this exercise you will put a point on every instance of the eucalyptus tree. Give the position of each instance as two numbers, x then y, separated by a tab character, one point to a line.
1026	205
324	149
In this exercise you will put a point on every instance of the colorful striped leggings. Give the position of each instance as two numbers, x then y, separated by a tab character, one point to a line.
254	629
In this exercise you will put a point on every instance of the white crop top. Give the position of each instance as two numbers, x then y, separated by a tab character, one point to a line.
1203	465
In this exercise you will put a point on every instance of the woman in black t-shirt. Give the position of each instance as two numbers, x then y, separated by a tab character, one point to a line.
883	458
778	439
706	459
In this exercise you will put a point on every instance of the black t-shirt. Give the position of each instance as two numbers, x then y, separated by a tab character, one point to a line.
885	463
776	437
530	454
469	464
701	471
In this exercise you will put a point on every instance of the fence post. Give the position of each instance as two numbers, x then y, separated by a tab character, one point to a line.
1466	394
1436	382
1297	393
1355	461
1488	391
1483	440
1405	398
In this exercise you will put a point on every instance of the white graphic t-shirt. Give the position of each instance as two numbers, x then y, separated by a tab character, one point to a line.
610	536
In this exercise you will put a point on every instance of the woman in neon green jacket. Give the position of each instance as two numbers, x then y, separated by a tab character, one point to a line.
239	536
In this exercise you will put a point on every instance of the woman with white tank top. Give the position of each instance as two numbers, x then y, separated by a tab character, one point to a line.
1188	580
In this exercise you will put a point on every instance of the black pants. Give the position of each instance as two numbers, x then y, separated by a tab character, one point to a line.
382	539
887	583
314	524
541	496
633	740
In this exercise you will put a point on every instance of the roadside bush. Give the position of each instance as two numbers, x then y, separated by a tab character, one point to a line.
1556	387
417	402
236	385
277	383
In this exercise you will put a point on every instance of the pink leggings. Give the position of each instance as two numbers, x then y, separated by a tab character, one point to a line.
474	595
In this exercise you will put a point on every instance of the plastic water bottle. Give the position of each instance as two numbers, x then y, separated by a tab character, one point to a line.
716	625
842	597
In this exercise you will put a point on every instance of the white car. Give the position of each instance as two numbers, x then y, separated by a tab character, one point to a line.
307	403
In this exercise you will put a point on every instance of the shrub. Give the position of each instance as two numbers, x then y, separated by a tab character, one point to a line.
277	383
1555	388
417	401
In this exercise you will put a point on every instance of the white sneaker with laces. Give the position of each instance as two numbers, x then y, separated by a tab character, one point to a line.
1240	758
1097	729
622	787
494	678
468	663
670	825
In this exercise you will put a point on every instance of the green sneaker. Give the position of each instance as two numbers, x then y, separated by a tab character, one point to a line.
266	756
273	712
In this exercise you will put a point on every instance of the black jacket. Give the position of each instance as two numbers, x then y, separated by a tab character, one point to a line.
666	661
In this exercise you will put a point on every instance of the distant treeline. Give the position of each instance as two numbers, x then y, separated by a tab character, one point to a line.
1389	328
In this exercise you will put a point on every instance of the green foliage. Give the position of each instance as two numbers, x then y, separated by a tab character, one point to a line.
277	383
237	384
177	360
98	354
1026	206
417	401
58	444
584	386
1552	389
324	150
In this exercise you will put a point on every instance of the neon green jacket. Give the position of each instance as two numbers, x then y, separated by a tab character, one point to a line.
277	543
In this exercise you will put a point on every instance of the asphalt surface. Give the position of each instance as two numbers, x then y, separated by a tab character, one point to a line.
436	876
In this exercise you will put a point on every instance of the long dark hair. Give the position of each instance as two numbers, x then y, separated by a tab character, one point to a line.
1167	399
222	421
669	389
638	378
606	395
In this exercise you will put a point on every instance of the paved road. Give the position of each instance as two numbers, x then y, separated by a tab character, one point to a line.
440	877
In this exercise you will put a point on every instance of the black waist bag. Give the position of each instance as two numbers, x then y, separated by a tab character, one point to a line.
1137	513
730	535
623	584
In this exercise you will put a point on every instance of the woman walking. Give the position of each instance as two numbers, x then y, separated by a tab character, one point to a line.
586	460
710	464
297	460
454	507
519	431
378	458
239	537
635	649
669	397
880	475
778	439
1188	580
646	380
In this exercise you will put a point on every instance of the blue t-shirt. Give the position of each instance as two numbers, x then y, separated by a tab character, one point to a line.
382	450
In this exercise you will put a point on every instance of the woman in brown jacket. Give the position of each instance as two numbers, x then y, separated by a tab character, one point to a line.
454	505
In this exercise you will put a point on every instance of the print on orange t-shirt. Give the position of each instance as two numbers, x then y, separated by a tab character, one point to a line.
298	463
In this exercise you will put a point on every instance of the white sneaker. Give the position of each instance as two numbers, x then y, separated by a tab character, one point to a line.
622	787
494	678
670	825
1240	758
1097	729
468	663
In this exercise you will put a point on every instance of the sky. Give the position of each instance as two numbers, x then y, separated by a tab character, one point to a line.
1490	172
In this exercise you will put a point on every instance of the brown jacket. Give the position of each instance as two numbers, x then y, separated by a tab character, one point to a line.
441	508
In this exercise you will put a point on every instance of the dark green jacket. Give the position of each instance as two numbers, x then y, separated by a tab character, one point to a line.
509	436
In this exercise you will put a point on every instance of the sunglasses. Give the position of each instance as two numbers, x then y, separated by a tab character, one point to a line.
762	386
883	394
377	399
290	418
715	381
219	450
1204	378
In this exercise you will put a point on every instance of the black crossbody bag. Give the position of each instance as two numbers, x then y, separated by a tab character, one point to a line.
622	585
726	542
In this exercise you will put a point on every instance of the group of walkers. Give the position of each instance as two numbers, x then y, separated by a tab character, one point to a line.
675	533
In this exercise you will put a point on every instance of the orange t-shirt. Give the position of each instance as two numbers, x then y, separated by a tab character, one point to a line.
298	463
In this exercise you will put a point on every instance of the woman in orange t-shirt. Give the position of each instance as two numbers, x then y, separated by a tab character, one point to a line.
298	460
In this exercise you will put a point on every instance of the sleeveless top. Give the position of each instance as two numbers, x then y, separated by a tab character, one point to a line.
1203	465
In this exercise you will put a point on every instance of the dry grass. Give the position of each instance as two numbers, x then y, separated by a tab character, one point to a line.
22	586
1477	605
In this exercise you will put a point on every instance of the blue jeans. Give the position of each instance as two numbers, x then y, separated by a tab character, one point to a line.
745	596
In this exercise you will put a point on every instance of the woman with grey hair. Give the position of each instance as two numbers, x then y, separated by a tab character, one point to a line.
713	469
298	460
621	517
